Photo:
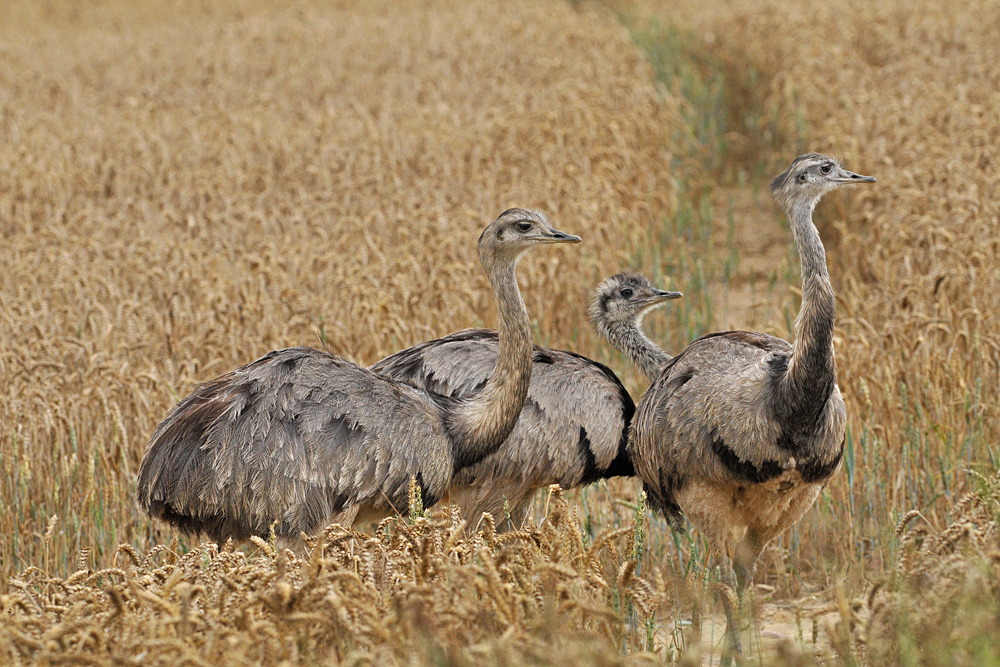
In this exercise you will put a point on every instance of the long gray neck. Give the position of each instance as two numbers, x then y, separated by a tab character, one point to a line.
629	339
812	372
481	423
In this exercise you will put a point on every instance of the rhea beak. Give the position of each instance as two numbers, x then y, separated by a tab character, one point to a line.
850	177
657	296
552	235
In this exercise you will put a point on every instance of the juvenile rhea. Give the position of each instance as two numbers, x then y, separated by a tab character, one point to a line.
301	438
619	305
741	431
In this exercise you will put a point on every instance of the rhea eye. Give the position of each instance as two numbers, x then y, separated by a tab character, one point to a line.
627	292
523	226
825	169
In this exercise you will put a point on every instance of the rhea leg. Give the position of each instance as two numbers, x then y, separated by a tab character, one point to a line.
727	596
520	511
745	558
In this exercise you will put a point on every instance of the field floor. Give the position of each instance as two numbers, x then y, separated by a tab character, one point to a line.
760	240
187	185
778	629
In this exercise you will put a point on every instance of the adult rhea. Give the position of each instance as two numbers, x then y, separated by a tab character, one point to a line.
742	430
301	438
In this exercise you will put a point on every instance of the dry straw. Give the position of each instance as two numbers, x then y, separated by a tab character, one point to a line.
187	186
412	591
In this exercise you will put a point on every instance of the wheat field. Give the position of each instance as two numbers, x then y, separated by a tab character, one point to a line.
188	185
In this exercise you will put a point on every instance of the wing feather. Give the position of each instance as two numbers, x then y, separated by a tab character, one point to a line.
291	440
571	430
457	365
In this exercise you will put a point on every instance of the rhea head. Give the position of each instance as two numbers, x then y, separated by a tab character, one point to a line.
515	231
809	177
625	299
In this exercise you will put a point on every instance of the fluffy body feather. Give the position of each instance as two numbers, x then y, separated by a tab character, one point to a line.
298	438
571	431
714	438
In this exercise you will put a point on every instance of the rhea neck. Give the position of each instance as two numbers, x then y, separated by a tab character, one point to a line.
812	372
481	423
628	338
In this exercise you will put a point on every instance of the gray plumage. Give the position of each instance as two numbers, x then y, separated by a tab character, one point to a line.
619	305
742	430
301	438
572	429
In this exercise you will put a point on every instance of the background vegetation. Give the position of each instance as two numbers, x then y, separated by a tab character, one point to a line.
188	185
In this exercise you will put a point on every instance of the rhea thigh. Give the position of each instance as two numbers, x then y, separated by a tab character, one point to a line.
475	501
783	511
715	509
730	513
777	510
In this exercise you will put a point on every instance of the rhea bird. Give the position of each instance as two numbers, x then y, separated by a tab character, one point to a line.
301	438
572	431
741	431
617	310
